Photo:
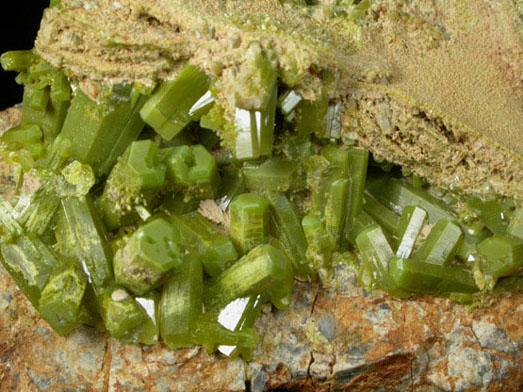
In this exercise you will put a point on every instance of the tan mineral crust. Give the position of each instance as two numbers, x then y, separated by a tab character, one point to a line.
433	85
430	84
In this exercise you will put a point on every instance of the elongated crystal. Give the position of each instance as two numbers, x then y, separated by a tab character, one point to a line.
320	243
249	221
233	184
210	333
30	263
381	213
397	195
17	60
36	210
376	252
359	160
310	116
274	175
149	332
176	102
409	227
503	255
239	315
256	80
9	227
22	135
102	131
41	106
181	304
200	236
124	194
62	296
286	227
426	278
493	211
288	101
515	228
333	122
255	130
90	245
40	99
441	245
56	155
264	269
335	213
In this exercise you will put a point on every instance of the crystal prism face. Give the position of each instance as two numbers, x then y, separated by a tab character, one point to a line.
230	318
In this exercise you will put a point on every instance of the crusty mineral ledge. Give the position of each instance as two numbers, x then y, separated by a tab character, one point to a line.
435	86
338	337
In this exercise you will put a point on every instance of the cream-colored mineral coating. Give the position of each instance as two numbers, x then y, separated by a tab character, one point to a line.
430	84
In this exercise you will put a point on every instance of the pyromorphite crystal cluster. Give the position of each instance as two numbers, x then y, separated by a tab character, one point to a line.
110	233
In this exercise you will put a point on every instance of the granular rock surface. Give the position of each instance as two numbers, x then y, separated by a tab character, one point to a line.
335	337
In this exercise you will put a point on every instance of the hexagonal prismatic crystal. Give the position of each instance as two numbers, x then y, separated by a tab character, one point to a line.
151	252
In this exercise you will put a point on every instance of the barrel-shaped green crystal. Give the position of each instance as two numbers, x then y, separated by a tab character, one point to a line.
286	227
143	162
30	263
264	269
515	228
274	175
249	221
171	107
101	132
121	314
181	304
199	235
376	252
442	243
81	231
194	167
62	296
359	160
151	252
503	255
427	278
